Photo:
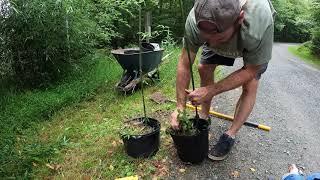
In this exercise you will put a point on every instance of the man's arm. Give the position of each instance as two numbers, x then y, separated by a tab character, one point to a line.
183	77
234	80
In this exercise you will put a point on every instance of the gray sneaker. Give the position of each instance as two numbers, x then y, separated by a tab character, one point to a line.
222	148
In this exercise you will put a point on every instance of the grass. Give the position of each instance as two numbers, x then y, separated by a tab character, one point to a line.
71	131
93	147
305	54
22	114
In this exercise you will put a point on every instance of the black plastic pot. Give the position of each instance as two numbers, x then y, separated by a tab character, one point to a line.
143	146
193	149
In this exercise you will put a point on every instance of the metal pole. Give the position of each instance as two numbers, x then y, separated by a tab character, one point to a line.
140	66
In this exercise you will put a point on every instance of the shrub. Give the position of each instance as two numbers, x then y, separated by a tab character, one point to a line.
44	39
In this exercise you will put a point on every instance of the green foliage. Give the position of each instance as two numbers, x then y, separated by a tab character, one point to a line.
5	66
43	39
316	31
21	112
43	128
172	14
186	125
292	22
316	41
168	41
298	21
305	53
117	21
122	19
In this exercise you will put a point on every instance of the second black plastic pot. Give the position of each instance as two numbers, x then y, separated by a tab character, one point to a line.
193	149
143	146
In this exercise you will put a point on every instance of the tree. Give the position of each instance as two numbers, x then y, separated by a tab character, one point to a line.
42	39
316	31
293	22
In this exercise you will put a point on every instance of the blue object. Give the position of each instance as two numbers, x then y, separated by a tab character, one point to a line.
294	177
314	176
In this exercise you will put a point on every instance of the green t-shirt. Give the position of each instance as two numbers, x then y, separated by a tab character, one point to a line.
254	39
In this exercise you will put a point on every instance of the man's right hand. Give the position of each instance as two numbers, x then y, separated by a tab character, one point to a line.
174	120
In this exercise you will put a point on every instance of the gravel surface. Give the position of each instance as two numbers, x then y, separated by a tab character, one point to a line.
289	101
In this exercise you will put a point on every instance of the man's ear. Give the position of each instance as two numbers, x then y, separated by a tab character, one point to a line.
241	17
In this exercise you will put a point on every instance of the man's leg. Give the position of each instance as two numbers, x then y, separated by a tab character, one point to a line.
243	110
244	106
206	72
208	63
246	102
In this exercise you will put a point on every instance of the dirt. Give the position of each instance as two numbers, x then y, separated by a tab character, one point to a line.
158	98
136	127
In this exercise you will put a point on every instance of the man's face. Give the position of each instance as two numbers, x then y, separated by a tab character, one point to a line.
209	33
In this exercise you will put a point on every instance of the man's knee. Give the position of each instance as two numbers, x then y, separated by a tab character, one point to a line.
250	88
205	69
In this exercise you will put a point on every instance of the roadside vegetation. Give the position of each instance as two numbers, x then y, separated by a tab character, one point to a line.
59	112
305	53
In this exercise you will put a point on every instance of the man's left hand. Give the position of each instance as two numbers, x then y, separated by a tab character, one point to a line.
200	95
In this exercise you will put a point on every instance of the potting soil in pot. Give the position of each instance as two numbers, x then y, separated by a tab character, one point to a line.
136	127
141	138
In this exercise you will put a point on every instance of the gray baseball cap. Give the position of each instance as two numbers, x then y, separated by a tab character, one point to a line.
222	13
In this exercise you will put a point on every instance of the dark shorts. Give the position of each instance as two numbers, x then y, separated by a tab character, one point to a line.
210	57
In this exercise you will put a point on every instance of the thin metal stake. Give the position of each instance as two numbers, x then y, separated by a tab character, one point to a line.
140	66
191	73
188	52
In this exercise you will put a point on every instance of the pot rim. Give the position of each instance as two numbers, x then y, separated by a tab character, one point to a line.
157	129
121	51
171	131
